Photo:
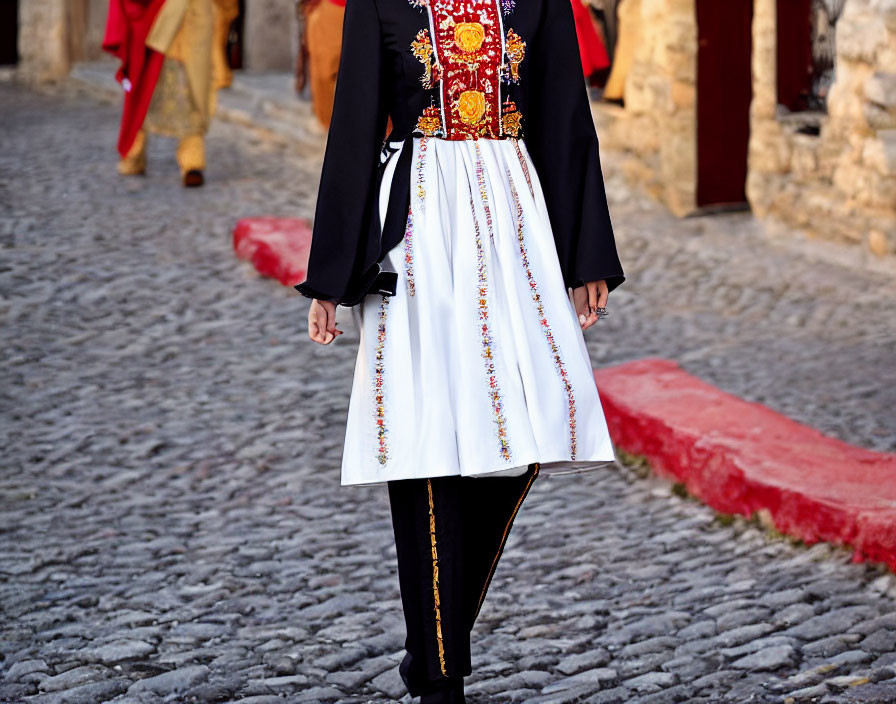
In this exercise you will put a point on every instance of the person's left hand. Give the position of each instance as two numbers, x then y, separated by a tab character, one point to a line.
322	322
587	299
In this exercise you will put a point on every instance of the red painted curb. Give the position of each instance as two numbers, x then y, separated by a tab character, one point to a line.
742	457
276	247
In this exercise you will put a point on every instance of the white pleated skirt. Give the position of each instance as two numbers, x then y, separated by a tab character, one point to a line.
477	365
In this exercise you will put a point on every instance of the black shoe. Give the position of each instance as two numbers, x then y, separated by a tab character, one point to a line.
193	178
452	694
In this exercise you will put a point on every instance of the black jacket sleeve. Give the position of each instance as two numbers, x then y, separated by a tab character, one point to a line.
562	141
343	260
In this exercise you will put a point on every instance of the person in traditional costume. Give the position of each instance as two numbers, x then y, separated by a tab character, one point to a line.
595	59
323	34
227	12
629	30
169	77
474	245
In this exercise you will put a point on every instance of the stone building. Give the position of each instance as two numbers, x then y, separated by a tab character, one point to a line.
787	107
54	34
784	106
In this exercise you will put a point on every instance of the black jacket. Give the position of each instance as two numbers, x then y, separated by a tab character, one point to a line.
381	77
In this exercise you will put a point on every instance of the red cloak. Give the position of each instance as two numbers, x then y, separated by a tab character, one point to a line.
127	27
591	47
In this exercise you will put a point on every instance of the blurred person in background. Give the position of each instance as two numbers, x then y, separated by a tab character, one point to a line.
595	60
302	7
605	11
228	11
323	39
170	74
628	28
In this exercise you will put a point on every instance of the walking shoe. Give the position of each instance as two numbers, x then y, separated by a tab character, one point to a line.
453	694
134	162
193	178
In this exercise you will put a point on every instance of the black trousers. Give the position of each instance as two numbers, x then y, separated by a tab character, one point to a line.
449	535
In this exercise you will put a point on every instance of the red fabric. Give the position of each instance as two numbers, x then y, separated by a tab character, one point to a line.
591	47
277	247
341	3
127	27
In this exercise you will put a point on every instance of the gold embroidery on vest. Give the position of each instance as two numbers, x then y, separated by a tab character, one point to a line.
515	49
423	51
511	119
430	122
468	36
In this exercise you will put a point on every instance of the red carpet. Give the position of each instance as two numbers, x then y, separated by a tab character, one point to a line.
742	457
276	247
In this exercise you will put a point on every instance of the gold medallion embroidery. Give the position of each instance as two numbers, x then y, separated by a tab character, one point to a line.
469	48
468	36
470	106
466	53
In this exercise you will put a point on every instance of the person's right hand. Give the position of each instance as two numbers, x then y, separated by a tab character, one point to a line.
322	322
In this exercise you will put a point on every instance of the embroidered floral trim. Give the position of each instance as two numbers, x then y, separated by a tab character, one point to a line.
524	164
483	192
437	600
494	390
423	51
378	385
543	321
409	254
421	176
511	119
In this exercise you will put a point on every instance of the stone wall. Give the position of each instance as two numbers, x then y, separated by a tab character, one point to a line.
44	40
53	34
657	129
271	35
95	28
840	185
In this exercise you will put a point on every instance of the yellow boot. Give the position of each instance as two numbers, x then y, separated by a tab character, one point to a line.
191	159
134	162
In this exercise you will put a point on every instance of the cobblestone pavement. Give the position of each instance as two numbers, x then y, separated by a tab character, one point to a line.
172	525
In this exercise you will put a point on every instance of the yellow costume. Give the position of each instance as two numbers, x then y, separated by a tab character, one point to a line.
324	36
184	98
628	37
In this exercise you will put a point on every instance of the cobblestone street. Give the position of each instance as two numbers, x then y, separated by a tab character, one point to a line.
172	525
